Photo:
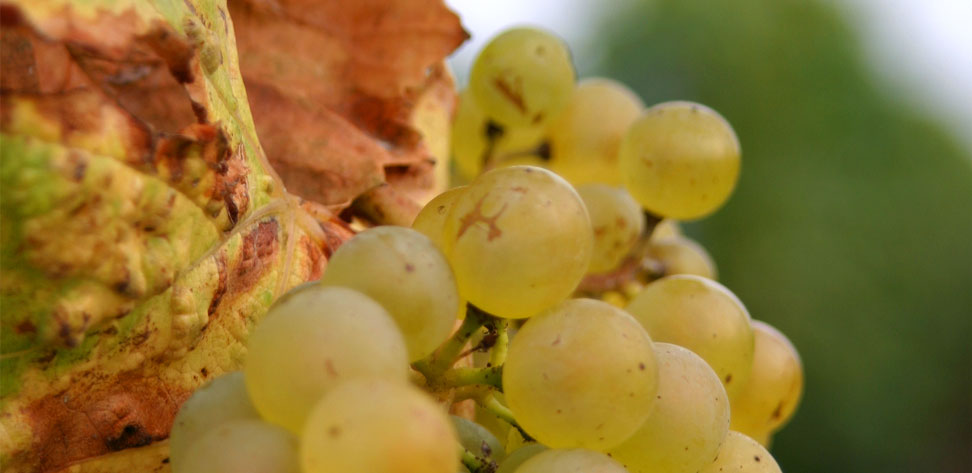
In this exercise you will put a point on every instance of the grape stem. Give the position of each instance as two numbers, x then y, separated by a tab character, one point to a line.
498	356
447	354
476	464
491	404
490	376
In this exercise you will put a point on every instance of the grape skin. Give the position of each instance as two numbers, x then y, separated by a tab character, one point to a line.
478	440
775	385
523	77
665	229
311	341
219	401
377	426
570	461
519	240
520	455
680	160
741	453
241	446
552	362
682	255
617	222
586	135
703	316
430	221
407	274
479	144
689	421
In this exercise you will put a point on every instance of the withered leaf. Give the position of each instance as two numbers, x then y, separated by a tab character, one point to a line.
357	68
143	231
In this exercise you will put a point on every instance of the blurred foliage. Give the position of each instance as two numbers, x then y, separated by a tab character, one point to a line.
851	228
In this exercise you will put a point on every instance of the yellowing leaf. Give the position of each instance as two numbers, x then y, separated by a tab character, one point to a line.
144	230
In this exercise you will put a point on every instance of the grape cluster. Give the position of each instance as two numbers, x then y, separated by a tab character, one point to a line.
554	292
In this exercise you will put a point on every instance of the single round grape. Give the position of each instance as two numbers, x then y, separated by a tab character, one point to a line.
478	440
689	421
743	454
523	77
519	240
665	229
431	219
617	222
407	274
615	298
241	446
314	339
585	136
520	455
703	316
377	426
552	360
682	255
767	401
478	143
221	400
680	160
575	460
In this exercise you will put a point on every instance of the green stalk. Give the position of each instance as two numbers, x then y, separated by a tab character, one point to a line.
498	356
446	355
489	376
491	404
475	464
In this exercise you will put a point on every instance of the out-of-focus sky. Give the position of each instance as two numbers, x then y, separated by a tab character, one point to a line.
921	50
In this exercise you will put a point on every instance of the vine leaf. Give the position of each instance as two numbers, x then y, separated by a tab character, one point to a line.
143	227
335	116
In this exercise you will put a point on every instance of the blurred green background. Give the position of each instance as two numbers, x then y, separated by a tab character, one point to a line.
850	230
851	226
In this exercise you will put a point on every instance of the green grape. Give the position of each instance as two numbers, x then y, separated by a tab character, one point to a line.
478	143
377	426
407	274
221	400
312	340
617	222
520	455
689	421
764	438
478	440
431	219
743	454
680	160
682	255
519	240
552	360
523	77
241	446
585	136
767	401
665	229
575	460
703	316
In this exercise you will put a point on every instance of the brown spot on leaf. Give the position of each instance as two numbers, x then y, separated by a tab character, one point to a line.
258	248
25	327
97	415
220	284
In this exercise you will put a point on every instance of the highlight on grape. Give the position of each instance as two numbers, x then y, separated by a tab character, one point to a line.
543	315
